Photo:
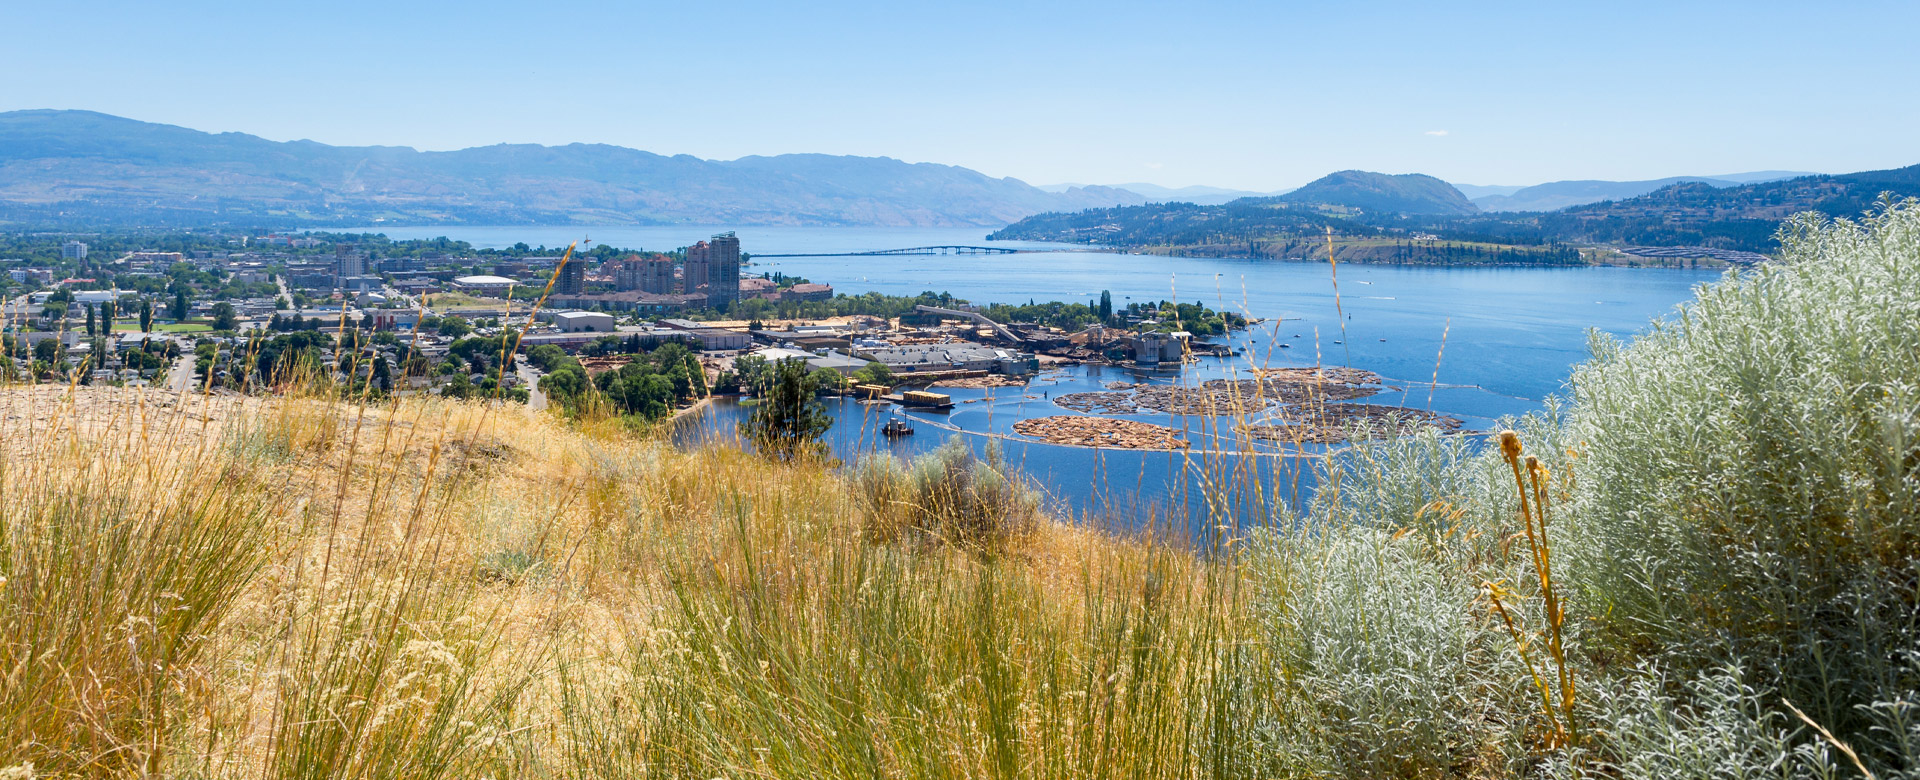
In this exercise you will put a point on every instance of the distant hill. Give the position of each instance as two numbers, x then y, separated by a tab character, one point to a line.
1557	195
1739	217
1410	193
85	167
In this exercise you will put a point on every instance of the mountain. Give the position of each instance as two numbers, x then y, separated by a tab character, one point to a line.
1742	217
1408	193
1557	195
1478	191
1196	194
1751	177
87	167
1738	217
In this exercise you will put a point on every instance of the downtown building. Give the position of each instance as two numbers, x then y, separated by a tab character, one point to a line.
645	274
713	267
573	277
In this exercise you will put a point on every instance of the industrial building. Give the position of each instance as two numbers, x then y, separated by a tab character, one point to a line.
1152	348
816	361
581	321
953	356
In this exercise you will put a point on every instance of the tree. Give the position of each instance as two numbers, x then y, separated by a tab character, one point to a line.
382	373
1106	306
89	320
458	387
788	422
454	327
280	302
179	305
146	316
106	317
223	316
874	373
47	351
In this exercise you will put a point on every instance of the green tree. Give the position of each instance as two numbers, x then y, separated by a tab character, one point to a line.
179	305
382	373
223	316
789	421
874	373
106	317
146	316
458	387
47	351
90	321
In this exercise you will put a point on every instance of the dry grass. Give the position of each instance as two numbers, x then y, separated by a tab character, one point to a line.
225	586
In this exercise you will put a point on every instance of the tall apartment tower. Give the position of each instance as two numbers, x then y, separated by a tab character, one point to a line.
723	270
695	274
656	275
573	277
349	263
73	250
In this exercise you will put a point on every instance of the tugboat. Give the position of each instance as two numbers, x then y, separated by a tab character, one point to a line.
897	427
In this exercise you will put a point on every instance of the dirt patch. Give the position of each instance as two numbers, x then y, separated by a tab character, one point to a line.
1101	432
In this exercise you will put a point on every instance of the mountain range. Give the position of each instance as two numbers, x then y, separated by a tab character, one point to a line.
71	168
91	168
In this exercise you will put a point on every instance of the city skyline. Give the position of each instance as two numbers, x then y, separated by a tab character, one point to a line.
1232	95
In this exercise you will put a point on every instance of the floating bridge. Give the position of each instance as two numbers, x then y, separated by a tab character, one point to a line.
944	249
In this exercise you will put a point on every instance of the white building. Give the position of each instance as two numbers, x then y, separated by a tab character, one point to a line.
583	321
484	285
73	250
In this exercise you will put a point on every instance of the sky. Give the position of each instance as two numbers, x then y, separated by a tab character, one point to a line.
1247	95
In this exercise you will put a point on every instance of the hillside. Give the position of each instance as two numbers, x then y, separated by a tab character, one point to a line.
329	583
1409	193
1555	195
83	167
1742	217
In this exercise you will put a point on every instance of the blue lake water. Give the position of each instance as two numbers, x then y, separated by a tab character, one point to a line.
1511	337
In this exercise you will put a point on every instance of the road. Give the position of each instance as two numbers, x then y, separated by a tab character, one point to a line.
180	376
536	400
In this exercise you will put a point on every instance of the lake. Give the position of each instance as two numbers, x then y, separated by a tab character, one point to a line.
1511	337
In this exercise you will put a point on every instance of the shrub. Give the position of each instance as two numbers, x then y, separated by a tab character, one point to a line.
1749	479
948	495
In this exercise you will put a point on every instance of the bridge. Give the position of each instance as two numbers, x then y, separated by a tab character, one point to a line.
945	249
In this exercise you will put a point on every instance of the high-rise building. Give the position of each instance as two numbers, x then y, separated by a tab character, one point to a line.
349	263
656	275
573	277
73	250
695	274
646	274
723	270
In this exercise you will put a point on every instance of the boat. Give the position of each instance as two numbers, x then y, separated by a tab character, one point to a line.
897	427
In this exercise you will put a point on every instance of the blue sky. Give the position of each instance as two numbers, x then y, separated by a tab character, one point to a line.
1236	94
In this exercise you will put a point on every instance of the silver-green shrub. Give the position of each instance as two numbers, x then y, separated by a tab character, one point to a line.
1749	479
